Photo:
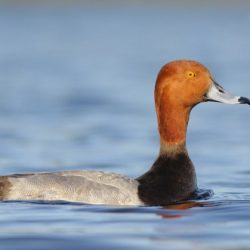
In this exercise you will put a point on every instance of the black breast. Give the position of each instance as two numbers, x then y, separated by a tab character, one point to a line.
171	179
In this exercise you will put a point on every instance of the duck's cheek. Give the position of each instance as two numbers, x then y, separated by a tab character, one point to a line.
192	98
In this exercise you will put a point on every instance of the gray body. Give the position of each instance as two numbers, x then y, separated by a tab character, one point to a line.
91	187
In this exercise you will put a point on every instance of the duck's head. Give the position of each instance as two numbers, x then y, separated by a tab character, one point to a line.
188	83
179	87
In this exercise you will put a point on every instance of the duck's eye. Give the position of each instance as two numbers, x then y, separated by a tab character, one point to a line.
190	74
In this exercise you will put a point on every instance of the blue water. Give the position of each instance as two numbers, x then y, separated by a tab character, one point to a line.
76	92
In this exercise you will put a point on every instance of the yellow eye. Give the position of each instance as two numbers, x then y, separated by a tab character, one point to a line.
190	74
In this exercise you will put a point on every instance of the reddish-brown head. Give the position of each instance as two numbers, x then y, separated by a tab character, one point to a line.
181	85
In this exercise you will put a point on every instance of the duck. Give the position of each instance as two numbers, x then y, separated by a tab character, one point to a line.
180	86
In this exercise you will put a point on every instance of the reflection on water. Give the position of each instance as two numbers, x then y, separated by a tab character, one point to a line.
180	206
76	92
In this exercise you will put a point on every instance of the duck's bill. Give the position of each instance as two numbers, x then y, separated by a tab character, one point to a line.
216	93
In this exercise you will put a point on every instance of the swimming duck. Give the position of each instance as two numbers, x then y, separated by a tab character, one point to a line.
180	86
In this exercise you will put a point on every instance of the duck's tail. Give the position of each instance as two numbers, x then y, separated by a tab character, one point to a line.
4	187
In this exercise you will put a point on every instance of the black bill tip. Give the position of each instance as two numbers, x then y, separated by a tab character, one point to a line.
244	100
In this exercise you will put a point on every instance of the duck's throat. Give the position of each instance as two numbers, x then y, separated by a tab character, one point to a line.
172	125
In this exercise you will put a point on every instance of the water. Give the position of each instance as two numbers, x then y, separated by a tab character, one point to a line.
76	92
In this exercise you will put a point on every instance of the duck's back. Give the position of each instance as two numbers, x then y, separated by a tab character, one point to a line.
92	187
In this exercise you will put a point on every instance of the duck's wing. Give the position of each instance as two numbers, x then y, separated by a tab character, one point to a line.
91	187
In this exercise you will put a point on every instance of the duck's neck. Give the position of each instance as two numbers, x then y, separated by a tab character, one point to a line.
172	125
